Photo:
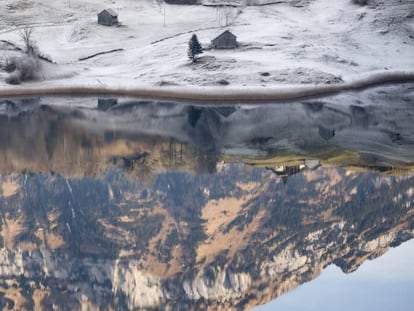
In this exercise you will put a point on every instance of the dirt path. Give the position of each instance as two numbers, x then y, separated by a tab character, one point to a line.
218	95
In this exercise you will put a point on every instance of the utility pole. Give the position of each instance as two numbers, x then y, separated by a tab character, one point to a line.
165	23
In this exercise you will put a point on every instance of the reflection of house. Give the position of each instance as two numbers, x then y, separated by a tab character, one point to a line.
222	166
312	164
326	133
105	104
226	40
224	111
107	17
284	171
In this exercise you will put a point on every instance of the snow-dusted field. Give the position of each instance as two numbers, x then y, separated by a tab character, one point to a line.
311	42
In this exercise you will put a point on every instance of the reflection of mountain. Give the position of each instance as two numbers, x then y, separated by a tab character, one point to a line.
231	240
149	137
114	206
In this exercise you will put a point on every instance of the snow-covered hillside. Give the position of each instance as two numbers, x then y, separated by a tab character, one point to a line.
292	42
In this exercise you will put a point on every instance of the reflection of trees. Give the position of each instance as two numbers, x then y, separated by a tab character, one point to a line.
138	166
383	202
175	152
51	139
206	162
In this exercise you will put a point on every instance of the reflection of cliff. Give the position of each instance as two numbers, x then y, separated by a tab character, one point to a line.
234	239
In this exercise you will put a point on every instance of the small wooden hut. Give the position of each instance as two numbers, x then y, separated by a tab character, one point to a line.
226	40
108	17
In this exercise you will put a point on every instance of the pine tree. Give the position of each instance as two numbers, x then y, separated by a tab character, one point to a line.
194	48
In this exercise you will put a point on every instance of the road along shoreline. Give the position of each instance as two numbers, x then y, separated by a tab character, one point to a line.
216	95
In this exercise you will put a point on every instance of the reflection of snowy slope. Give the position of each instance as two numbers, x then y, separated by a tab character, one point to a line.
375	123
369	122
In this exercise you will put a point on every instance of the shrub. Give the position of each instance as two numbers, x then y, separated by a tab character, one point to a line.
14	78
25	68
28	66
223	82
360	2
10	65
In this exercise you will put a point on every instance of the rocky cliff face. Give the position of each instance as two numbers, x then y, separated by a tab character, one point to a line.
105	283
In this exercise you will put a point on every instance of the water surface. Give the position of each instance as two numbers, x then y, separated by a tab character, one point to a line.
129	204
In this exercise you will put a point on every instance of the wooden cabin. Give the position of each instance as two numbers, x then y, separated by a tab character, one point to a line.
226	40
108	17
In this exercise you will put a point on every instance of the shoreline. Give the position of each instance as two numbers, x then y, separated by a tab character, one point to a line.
214	94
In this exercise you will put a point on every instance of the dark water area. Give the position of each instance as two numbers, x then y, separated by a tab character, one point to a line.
122	204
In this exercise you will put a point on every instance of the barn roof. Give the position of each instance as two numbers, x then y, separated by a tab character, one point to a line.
225	33
110	11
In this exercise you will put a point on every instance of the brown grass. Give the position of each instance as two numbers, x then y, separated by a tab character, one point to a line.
9	188
152	263
10	229
218	214
38	296
221	212
16	296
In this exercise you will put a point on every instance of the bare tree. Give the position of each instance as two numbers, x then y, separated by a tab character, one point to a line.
225	15
26	36
162	6
25	67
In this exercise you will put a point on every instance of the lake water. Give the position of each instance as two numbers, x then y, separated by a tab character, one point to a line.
137	204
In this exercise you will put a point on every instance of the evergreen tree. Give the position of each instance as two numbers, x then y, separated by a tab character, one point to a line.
194	48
